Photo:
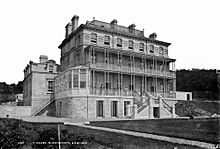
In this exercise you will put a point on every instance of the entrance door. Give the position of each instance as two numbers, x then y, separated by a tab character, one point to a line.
156	112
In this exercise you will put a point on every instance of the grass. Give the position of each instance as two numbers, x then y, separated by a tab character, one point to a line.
205	130
19	134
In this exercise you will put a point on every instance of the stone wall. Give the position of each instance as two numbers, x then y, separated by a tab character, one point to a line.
85	106
15	111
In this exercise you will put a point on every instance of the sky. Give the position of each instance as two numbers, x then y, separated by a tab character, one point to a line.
30	28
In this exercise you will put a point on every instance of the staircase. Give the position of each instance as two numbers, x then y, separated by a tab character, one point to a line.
40	110
143	107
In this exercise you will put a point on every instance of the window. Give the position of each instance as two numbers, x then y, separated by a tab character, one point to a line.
114	108
165	51
70	80
151	49
82	78
107	40
100	109
75	80
50	86
78	39
161	87
130	44
119	42
126	103
161	50
94	37
50	68
141	47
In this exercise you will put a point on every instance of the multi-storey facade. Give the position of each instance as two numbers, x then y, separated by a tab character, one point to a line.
108	68
39	83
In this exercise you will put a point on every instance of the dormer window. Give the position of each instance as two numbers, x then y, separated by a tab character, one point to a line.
151	49
141	47
119	42
94	37
50	68
130	44
107	40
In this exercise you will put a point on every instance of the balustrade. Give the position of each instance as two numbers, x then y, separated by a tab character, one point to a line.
124	68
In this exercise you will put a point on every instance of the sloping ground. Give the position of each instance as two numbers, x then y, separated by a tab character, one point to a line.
197	108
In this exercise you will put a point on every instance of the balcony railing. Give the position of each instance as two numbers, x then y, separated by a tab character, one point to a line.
110	92
128	69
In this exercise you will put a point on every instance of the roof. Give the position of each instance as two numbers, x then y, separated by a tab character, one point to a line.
106	27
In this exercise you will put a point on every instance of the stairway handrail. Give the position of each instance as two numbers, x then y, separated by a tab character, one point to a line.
43	107
167	106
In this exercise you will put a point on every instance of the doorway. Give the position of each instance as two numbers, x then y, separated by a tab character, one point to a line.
156	112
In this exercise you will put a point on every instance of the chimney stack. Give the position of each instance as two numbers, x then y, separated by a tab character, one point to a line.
68	29
74	20
43	58
153	36
131	28
114	24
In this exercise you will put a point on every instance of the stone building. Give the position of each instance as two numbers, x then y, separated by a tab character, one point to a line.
111	71
38	84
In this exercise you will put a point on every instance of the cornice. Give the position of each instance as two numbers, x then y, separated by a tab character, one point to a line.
111	31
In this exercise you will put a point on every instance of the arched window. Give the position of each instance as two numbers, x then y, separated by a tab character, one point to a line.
94	37
161	50
130	44
151	49
141	47
107	40
119	42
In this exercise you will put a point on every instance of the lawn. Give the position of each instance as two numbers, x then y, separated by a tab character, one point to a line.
203	129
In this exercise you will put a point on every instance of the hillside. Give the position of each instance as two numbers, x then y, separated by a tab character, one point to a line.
197	108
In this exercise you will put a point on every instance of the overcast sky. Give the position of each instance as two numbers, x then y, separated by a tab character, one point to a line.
30	28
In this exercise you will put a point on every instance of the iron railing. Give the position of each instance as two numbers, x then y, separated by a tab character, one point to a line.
125	68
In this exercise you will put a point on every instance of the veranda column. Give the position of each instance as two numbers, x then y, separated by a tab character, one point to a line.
121	83
174	86
108	82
